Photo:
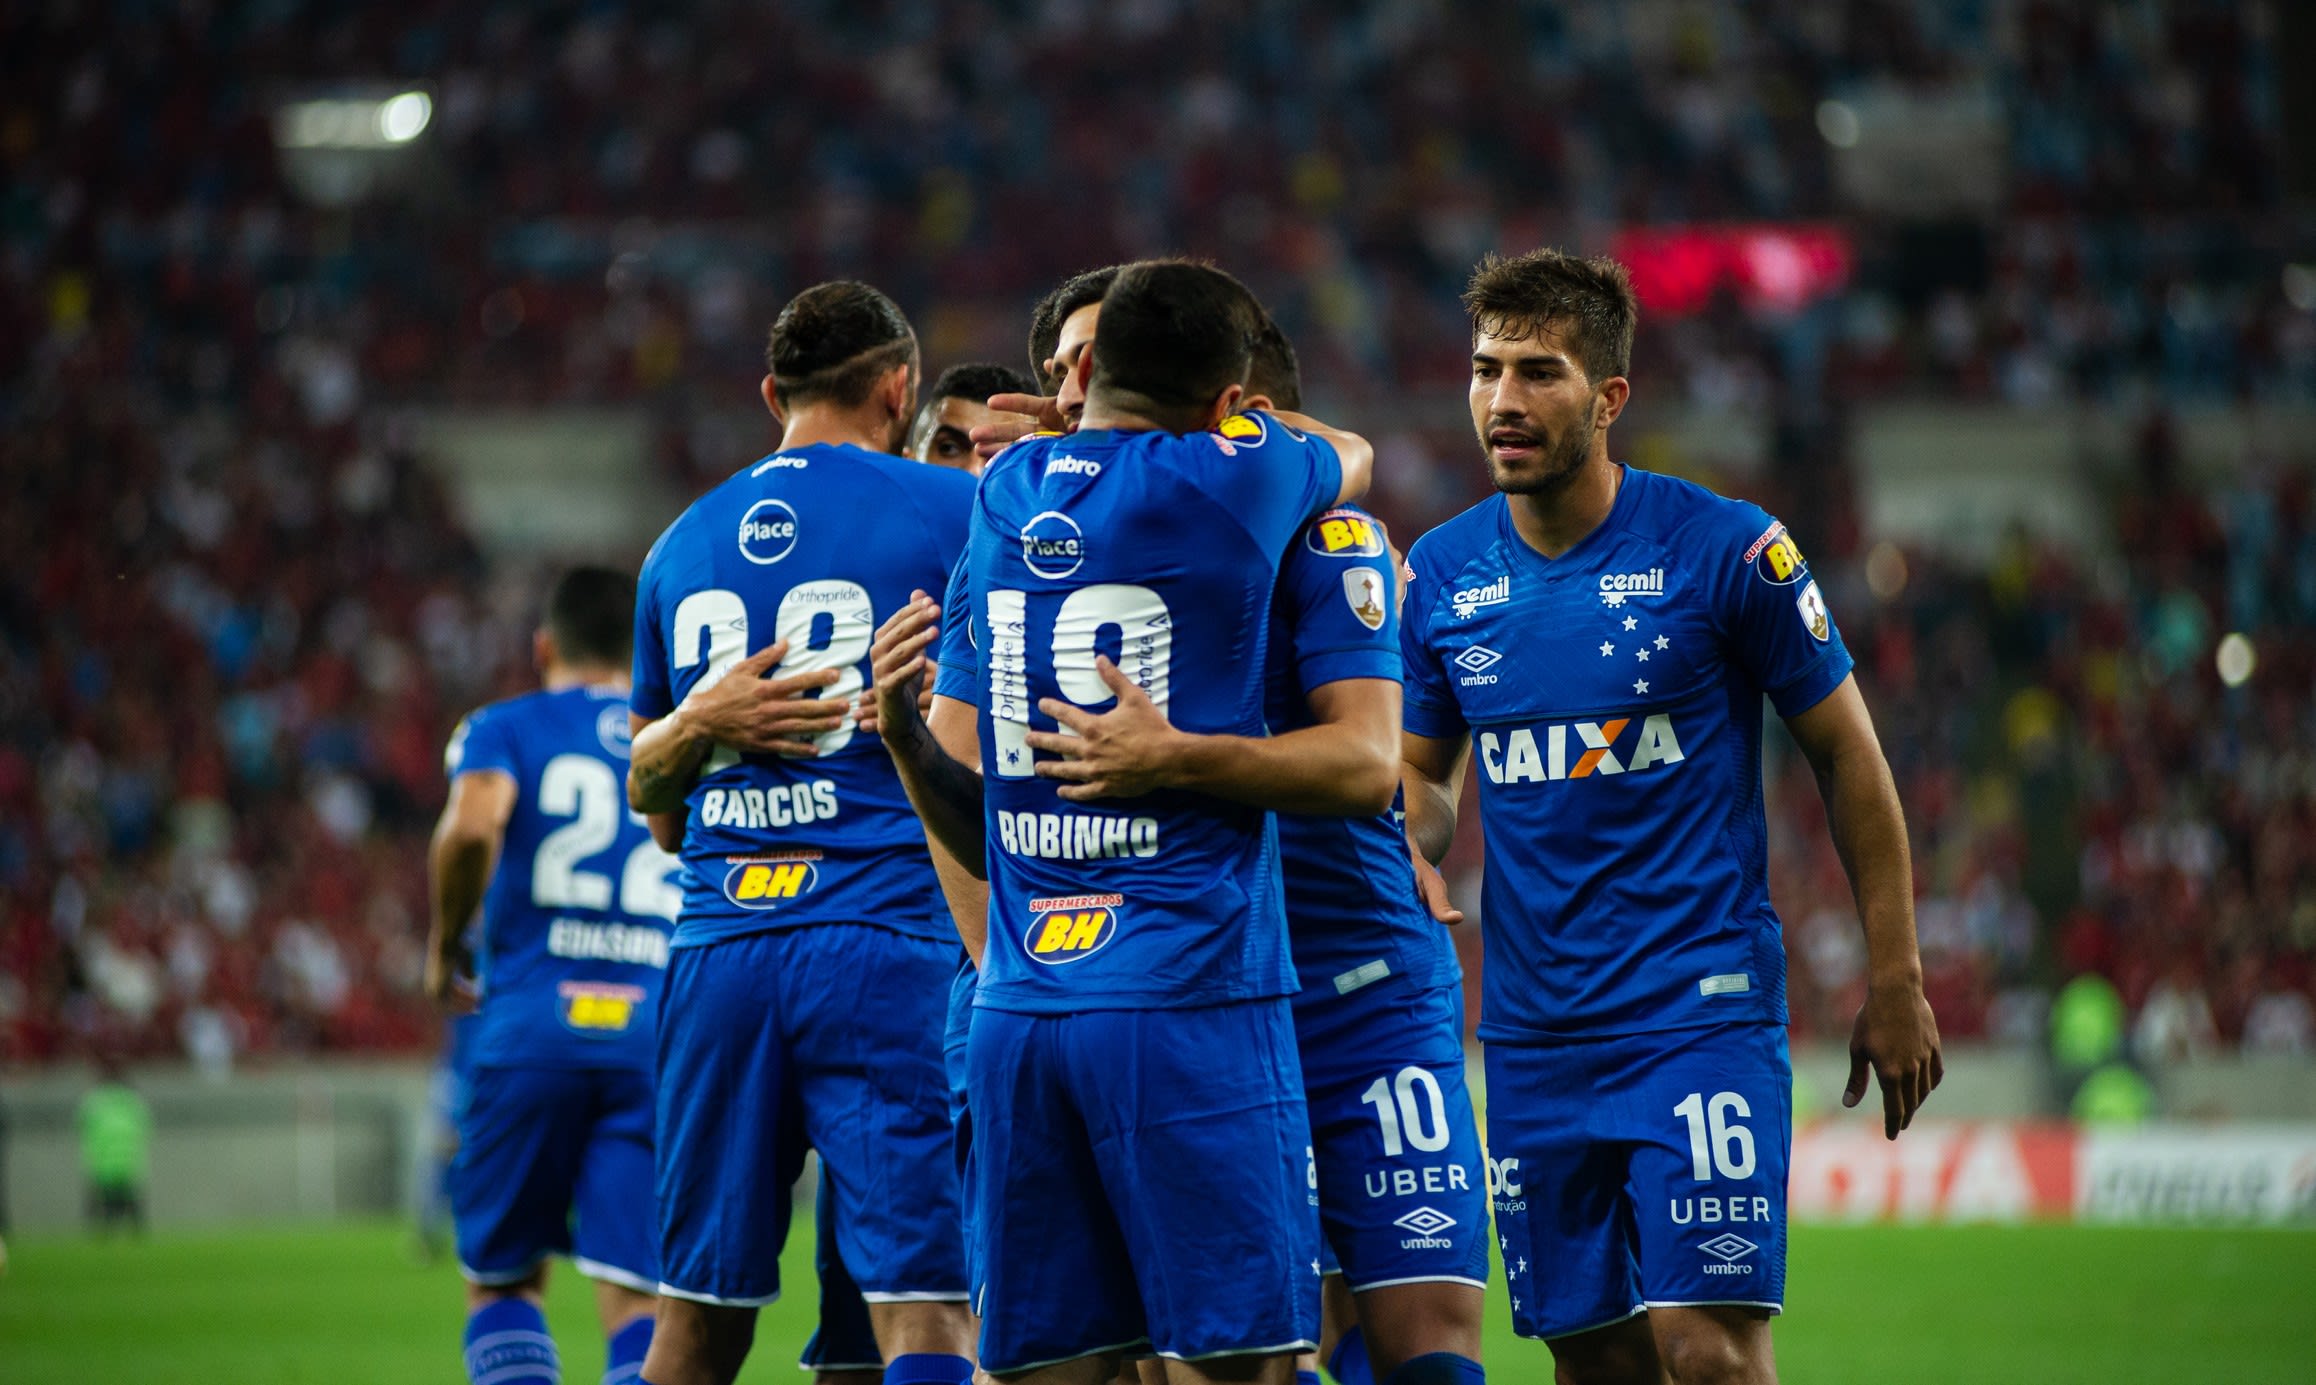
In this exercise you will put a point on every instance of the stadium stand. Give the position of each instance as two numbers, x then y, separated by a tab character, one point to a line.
238	614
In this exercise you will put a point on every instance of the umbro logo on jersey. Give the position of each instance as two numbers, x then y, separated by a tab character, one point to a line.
1618	587
1475	662
1471	599
1517	758
1728	1246
1427	1223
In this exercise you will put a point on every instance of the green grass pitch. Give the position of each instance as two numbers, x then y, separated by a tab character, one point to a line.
2050	1305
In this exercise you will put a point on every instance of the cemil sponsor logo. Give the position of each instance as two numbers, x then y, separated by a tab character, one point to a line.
1344	534
1053	545
598	1008
767	882
767	532
1516	757
1468	601
1071	927
1616	588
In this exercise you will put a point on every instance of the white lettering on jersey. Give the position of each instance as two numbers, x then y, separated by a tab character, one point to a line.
782	805
1471	599
607	942
1077	836
1515	758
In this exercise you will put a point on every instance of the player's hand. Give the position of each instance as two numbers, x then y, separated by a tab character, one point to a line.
766	716
1025	414
1122	753
449	981
1897	1037
898	698
1431	888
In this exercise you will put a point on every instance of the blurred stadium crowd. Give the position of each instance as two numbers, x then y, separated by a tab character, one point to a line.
238	615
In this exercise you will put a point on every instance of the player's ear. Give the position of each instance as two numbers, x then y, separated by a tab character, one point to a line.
1614	392
771	392
1257	403
1225	404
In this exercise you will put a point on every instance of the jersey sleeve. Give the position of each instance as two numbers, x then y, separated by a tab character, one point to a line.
1774	615
1429	707
1268	476
1339	587
650	696
481	742
958	661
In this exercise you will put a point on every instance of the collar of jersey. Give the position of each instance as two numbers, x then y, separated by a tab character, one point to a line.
1619	512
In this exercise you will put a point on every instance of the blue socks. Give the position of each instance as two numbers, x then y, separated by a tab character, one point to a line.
507	1344
1439	1368
928	1368
1349	1363
623	1354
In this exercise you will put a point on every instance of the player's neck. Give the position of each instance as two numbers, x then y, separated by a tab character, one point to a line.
559	676
821	425
1558	518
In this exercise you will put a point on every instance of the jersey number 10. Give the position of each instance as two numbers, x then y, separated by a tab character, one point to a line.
1145	655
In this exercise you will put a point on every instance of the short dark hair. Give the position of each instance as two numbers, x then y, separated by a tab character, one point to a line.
833	341
1589	301
591	616
1175	333
1273	371
1046	319
977	380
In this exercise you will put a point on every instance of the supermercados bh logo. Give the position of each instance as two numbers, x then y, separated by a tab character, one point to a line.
1053	545
1071	927
595	1007
1774	556
1471	599
1344	534
767	532
767	882
1237	431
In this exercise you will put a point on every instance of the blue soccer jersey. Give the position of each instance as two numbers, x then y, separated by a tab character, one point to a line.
815	546
1160	551
575	923
1352	910
1613	697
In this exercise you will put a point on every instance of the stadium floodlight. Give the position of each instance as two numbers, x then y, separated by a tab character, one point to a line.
404	118
354	123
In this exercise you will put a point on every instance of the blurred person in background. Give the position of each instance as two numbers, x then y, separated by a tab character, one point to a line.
955	405
116	1149
554	1123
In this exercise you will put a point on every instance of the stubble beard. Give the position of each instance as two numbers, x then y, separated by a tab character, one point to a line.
1563	458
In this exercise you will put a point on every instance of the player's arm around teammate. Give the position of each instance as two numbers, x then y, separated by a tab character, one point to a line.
742	709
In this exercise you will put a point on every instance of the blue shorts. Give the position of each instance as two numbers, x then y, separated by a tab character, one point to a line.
820	1037
1640	1171
843	1339
1403	1194
1142	1181
540	1148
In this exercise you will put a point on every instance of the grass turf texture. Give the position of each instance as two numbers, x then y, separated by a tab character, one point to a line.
2052	1305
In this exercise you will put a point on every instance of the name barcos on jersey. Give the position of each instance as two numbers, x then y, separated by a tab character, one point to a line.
781	805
